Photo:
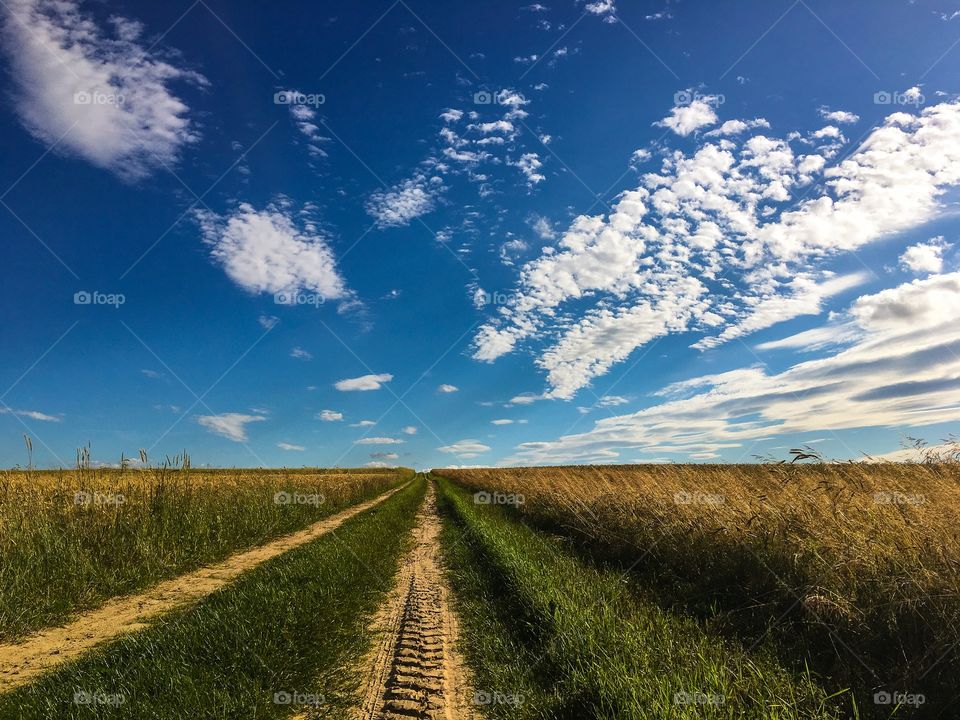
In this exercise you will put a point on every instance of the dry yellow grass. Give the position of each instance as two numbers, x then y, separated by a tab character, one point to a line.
856	555
70	539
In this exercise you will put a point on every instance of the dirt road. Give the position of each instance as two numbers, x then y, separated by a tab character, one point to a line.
416	671
24	661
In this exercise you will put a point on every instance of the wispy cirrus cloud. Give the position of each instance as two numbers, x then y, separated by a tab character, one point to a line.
32	414
898	366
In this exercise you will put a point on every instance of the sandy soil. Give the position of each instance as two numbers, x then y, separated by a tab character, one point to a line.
415	670
25	660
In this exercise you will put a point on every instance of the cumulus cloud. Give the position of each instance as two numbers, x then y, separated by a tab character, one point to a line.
289	447
300	354
447	388
838	116
686	118
409	430
363	423
268	251
900	367
232	426
606	8
714	243
365	382
329	416
925	257
379	441
100	94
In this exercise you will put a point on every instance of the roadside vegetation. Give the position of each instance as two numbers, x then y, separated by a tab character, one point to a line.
284	638
70	539
852	570
548	634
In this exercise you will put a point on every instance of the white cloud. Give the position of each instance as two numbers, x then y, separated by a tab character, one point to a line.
901	370
447	388
804	296
530	164
232	426
511	250
266	252
32	414
365	382
102	96
736	127
268	322
465	449
289	447
301	354
502	421
363	423
409	430
838	116
689	117
815	339
612	401
379	441
543	228
304	117
329	416
403	203
713	243
926	257
600	7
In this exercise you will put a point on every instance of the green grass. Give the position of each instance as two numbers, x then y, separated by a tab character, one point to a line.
548	635
298	623
59	557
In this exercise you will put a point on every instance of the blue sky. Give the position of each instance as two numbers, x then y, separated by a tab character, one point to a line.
477	234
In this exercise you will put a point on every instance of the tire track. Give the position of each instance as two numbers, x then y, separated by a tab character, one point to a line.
25	660
416	672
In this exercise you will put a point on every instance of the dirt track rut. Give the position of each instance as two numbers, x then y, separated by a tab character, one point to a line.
416	671
23	661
